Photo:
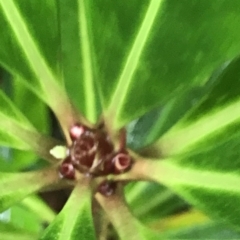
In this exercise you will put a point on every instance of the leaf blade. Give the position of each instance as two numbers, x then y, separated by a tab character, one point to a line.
132	60
87	62
78	57
73	222
41	76
12	121
198	186
216	114
29	182
39	207
203	231
9	232
163	202
167	67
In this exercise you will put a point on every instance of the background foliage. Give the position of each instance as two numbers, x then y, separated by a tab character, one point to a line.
167	70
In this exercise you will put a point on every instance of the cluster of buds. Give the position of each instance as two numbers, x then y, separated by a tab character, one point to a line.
92	152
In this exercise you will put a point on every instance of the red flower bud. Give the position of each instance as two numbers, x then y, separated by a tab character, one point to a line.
66	170
122	162
76	131
107	188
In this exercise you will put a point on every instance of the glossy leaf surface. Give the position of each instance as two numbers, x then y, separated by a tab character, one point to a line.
204	149
75	219
27	60
20	217
193	57
16	186
147	129
140	55
149	201
203	231
8	110
192	39
36	56
36	205
215	118
78	57
16	131
207	190
12	121
37	112
12	160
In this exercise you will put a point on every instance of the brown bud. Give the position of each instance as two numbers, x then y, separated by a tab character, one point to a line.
107	188
76	131
66	170
84	149
122	162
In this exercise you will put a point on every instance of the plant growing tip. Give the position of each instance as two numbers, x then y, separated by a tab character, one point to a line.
93	154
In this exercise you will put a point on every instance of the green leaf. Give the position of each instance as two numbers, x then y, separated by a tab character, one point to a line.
27	60
185	219
33	46
12	160
26	217
132	61
32	140
8	110
34	56
144	131
203	231
39	207
157	122
21	159
8	140
173	111
33	108
16	186
78	58
16	159
22	218
75	220
213	121
30	215
17	132
9	232
12	121
214	192
150	66
162	202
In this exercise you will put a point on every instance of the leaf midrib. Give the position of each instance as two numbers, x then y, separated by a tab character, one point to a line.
183	136
87	62
27	43
171	174
132	61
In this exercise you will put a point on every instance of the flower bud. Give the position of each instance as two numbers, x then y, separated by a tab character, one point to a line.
66	169
76	131
122	162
